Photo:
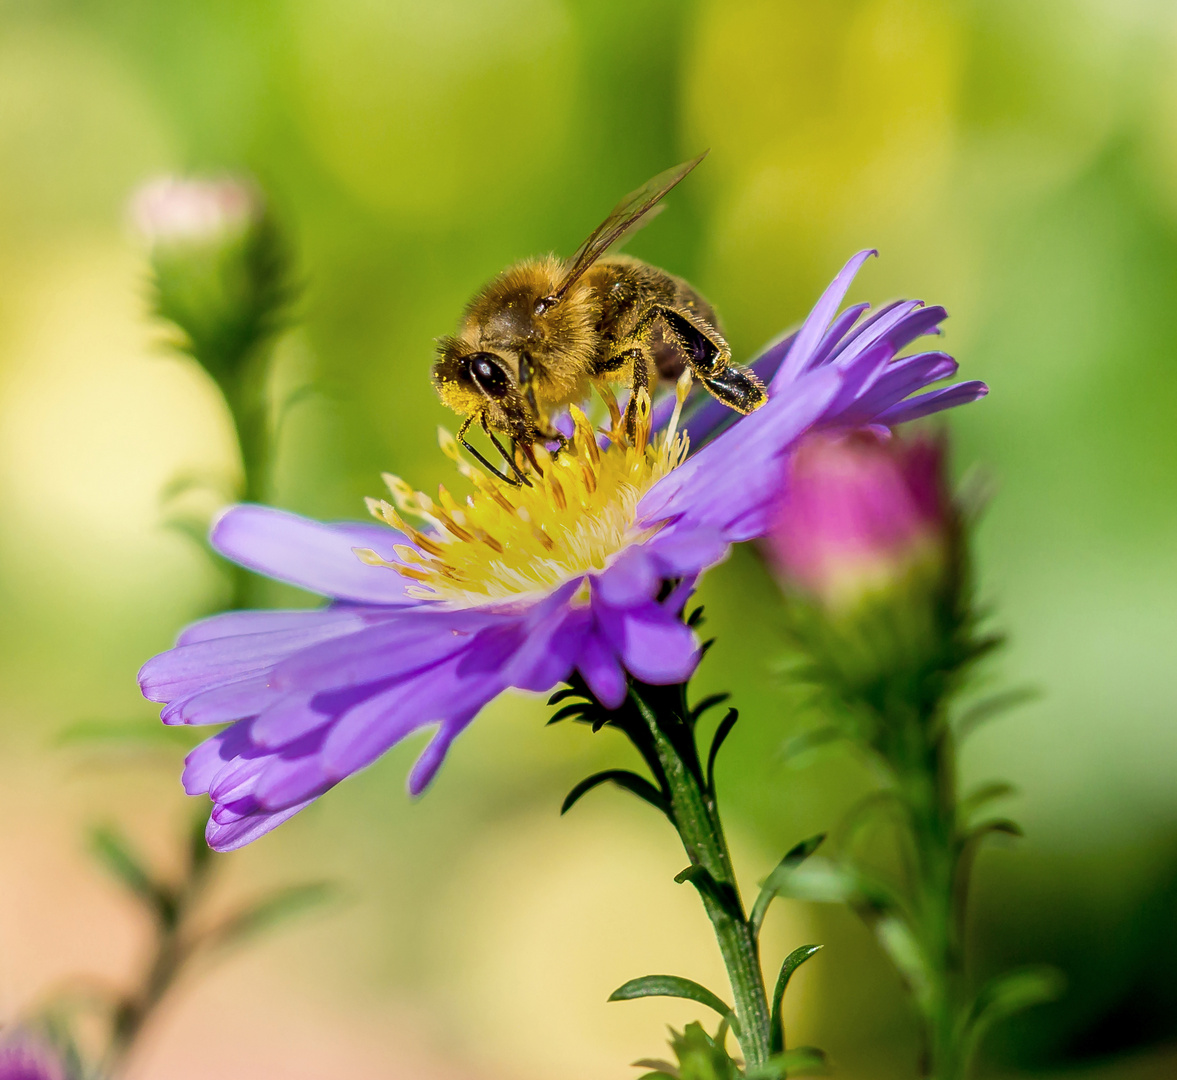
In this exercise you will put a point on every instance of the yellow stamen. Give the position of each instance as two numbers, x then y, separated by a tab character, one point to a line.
505	542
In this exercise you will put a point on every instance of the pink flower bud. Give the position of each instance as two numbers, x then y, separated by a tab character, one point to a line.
179	210
25	1057
862	514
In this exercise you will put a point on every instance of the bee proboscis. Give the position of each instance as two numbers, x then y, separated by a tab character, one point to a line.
546	330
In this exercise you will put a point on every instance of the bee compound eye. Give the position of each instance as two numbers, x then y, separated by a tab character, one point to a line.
488	373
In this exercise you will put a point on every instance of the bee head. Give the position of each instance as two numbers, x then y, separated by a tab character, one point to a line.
480	383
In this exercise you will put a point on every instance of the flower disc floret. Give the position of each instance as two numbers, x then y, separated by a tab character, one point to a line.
573	516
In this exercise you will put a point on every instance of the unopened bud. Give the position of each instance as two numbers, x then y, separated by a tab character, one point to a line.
869	547
860	514
220	267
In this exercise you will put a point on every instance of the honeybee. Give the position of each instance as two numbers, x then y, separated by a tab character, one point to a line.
544	332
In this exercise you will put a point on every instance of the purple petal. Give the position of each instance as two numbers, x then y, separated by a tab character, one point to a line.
933	402
654	646
237	623
434	754
310	554
815	326
630	577
248	829
601	670
833	336
288	719
679	551
190	669
398	645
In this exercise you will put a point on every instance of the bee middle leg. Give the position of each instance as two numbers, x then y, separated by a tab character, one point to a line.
640	361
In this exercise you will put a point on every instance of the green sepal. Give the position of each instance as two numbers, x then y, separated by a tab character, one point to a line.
695	618
623	778
563	694
776	880
721	733
723	893
792	962
800	1061
676	987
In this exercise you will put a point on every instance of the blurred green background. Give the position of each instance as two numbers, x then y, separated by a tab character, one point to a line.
1014	161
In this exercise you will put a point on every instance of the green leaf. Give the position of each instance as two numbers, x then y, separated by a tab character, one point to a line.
658	1065
577	708
982	796
899	942
672	986
993	706
792	962
1007	994
776	880
116	854
623	778
721	733
139	733
708	702
808	742
270	910
800	1061
724	894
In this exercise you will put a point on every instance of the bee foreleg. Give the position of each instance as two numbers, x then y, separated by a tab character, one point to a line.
465	443
520	479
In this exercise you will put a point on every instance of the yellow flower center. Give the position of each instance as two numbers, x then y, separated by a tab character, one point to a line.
573	516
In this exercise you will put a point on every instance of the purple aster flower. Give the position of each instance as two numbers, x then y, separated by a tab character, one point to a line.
449	602
23	1057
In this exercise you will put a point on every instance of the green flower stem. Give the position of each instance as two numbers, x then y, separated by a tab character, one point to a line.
695	815
245	394
927	779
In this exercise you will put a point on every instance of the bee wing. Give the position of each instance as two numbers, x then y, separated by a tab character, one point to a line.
623	218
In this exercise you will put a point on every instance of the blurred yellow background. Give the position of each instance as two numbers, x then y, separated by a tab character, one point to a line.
1014	161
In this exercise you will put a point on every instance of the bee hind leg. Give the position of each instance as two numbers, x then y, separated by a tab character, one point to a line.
737	388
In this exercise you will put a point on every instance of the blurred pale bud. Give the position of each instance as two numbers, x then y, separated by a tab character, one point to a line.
176	210
861	514
221	271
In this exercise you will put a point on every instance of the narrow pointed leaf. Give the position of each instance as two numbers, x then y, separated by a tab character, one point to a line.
800	1061
776	880
810	741
1008	994
792	962
562	695
623	778
708	702
116	854
724	894
721	733
991	707
577	708
660	1067
671	986
269	911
